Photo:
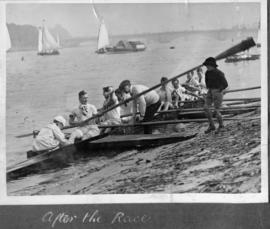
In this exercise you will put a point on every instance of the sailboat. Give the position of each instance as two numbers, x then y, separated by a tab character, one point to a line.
103	39
103	44
8	41
47	45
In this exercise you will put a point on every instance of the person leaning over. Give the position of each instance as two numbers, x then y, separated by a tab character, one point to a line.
148	104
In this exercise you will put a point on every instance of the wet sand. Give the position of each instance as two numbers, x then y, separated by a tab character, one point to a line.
227	162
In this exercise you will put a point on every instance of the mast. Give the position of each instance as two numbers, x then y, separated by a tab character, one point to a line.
58	41
8	41
258	43
40	39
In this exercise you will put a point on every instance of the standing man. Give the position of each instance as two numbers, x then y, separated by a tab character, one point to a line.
215	82
147	104
80	114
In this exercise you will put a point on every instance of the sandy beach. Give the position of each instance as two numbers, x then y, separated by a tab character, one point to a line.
227	162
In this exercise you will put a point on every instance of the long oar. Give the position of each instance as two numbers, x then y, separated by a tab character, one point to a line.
242	46
175	121
242	89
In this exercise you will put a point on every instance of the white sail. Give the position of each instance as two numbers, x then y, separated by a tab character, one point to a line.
58	41
49	42
40	45
8	42
103	37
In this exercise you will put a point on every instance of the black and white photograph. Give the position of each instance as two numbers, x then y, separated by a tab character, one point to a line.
165	100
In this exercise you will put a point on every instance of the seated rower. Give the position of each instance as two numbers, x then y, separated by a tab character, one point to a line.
202	86
51	136
126	109
191	80
178	93
111	117
80	114
165	95
147	104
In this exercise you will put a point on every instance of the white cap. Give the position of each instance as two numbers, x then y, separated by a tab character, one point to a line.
60	119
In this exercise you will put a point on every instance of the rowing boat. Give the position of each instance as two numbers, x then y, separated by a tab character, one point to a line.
41	159
38	161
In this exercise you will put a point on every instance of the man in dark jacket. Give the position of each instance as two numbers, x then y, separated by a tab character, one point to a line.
216	83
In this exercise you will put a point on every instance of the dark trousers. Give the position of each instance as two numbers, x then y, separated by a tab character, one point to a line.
149	115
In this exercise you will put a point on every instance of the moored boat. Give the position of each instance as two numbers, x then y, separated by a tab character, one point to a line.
242	57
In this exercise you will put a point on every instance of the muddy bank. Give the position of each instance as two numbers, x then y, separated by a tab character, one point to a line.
227	162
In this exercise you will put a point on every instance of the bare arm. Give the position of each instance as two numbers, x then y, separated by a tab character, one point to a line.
60	136
72	121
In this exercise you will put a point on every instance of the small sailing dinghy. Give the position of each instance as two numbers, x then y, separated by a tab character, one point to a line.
103	39
8	41
47	45
103	45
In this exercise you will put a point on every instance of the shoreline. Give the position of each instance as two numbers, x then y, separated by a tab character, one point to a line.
227	162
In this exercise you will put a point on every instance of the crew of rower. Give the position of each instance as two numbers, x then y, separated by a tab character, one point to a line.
147	105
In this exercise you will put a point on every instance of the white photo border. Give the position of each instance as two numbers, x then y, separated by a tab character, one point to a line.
137	198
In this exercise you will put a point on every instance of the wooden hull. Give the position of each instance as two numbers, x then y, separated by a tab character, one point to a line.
119	51
55	52
45	160
124	142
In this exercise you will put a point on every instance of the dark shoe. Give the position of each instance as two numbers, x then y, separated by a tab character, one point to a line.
210	129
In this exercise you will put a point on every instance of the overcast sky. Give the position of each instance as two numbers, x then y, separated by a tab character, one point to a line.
122	18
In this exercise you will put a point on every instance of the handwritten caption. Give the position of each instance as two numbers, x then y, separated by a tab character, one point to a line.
93	217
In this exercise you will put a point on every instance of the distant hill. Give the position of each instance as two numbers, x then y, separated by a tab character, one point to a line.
61	32
25	37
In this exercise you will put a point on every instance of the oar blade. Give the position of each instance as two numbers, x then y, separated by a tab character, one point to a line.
24	135
242	46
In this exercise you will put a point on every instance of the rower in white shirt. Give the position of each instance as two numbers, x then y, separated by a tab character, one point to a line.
147	104
51	136
80	114
126	109
178	93
165	94
111	117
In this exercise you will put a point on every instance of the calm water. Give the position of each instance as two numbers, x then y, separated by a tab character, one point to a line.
41	87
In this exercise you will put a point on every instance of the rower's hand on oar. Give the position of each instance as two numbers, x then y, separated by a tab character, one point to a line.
139	119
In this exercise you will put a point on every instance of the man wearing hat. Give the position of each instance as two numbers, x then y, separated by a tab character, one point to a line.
216	83
148	104
51	136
